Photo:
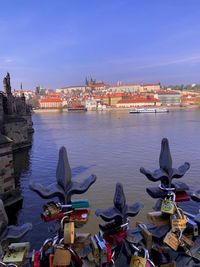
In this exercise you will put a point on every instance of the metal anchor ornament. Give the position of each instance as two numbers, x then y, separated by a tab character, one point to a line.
64	187
121	211
165	173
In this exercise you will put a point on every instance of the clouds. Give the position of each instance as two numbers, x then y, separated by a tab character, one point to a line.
60	42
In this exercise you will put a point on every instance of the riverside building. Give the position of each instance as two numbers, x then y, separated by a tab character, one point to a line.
169	98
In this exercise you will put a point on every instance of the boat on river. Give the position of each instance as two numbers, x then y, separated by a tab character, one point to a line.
149	110
79	108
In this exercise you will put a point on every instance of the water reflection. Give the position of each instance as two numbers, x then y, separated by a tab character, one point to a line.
22	162
111	145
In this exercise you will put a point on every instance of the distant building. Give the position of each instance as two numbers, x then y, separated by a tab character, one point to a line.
97	86
134	88
93	84
70	89
50	102
169	98
91	104
190	99
150	88
110	99
138	101
27	93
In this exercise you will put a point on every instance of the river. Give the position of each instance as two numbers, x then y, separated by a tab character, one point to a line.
112	145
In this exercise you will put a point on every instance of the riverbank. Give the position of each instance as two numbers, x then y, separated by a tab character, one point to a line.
191	107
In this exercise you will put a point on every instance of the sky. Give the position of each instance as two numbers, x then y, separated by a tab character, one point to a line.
57	43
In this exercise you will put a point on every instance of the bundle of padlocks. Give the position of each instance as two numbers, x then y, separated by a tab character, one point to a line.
77	211
170	237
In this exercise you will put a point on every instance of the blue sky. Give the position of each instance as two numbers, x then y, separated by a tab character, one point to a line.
57	43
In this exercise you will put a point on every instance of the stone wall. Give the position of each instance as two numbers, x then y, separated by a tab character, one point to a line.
1	111
17	130
7	179
15	133
29	122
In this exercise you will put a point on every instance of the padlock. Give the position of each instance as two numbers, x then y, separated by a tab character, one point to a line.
62	257
194	251
192	227
58	216
51	209
75	257
79	216
95	250
168	204
141	260
69	233
16	253
178	221
76	204
182	196
35	261
68	230
45	247
148	238
117	238
109	253
102	249
113	227
186	241
172	240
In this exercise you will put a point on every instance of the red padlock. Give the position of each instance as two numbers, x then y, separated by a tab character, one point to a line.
49	219
109	252
182	196
36	259
116	238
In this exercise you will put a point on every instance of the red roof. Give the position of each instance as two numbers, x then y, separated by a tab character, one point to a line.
54	94
138	100
50	99
165	92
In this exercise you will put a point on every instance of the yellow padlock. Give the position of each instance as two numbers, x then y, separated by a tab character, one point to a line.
168	204
178	221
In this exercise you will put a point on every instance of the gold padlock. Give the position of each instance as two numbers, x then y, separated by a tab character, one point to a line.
69	233
137	261
168	204
51	209
62	257
172	240
68	230
178	221
141	260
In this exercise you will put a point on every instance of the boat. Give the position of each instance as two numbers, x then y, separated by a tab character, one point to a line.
149	110
77	108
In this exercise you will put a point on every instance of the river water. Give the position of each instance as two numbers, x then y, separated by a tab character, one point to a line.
112	145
